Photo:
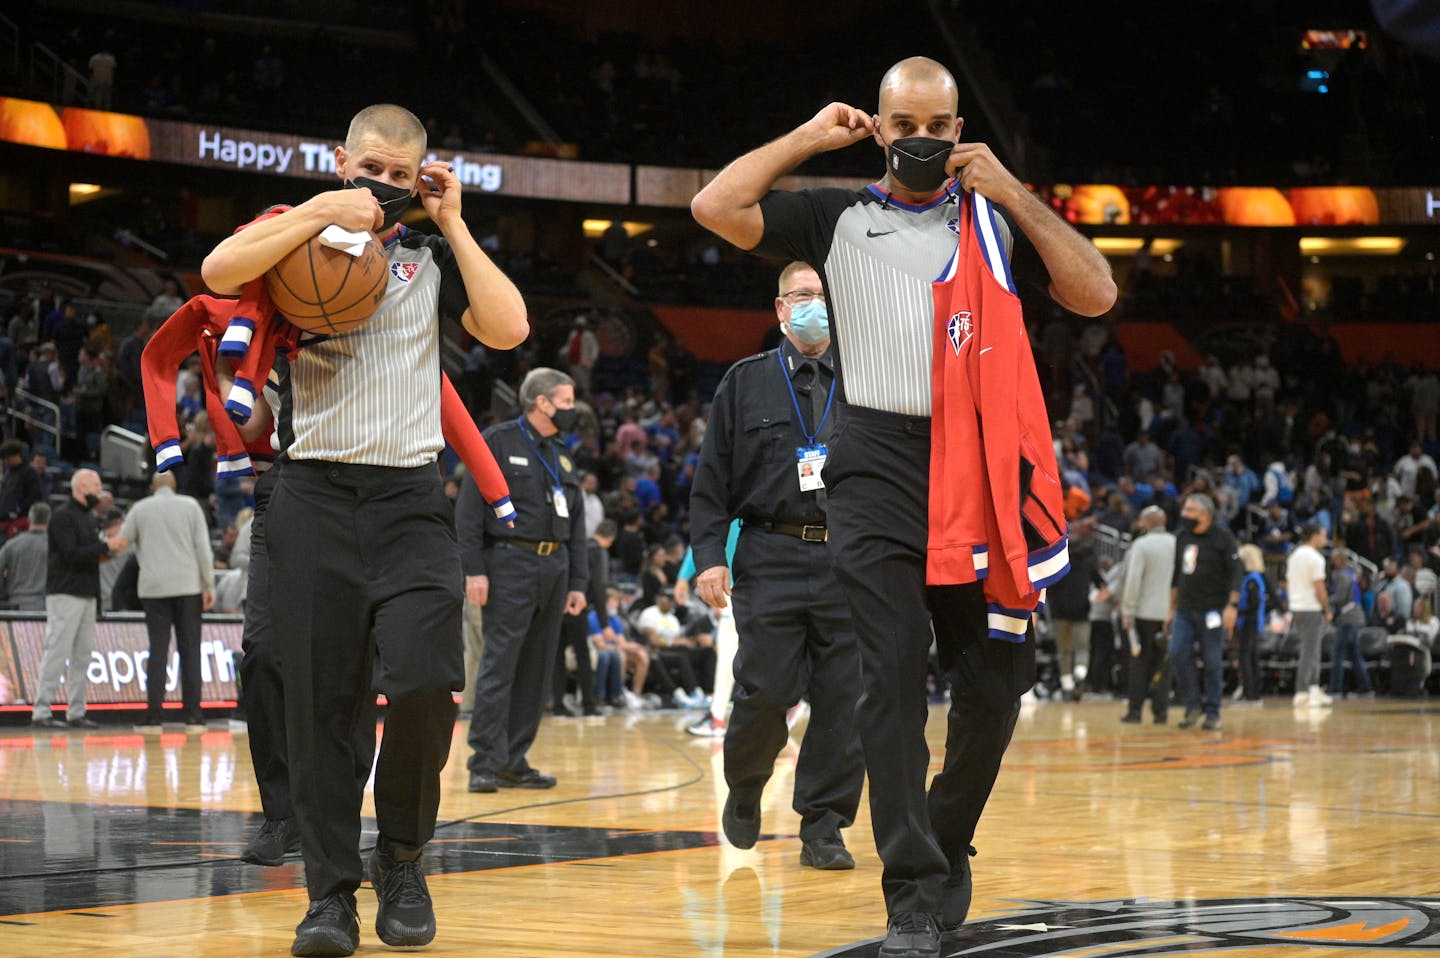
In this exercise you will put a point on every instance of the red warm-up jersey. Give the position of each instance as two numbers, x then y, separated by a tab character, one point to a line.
996	502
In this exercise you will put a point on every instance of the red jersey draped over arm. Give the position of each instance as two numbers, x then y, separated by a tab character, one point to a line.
996	502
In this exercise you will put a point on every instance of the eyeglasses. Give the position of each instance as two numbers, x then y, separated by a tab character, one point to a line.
799	297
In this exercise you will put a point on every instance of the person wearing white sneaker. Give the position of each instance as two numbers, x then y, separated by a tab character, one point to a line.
1310	610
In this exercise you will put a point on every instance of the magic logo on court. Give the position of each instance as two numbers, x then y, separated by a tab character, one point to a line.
1142	927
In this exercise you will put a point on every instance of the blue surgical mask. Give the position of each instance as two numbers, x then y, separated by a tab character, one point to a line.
810	322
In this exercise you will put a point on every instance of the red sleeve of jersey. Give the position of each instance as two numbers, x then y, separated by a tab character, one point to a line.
269	214
459	428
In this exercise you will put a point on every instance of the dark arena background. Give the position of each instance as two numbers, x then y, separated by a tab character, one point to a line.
1261	177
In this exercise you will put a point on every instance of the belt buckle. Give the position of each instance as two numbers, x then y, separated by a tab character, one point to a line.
543	549
814	533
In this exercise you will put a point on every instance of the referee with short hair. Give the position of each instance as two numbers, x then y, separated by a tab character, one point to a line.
365	584
525	577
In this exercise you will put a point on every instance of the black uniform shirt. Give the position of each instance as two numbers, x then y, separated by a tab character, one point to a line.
748	467
531	492
75	551
1207	569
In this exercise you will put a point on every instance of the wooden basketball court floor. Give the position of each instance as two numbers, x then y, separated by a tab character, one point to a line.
1292	832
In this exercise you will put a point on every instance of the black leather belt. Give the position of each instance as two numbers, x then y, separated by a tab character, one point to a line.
809	533
543	547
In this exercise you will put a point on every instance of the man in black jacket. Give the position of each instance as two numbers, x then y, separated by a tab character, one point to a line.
1204	602
19	490
72	587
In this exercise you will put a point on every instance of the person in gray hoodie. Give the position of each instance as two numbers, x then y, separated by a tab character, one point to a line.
1144	606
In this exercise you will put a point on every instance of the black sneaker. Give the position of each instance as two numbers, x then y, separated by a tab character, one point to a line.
530	778
47	723
911	934
406	916
330	929
1211	724
742	828
955	896
826	855
1131	718
483	782
276	838
1191	719
81	722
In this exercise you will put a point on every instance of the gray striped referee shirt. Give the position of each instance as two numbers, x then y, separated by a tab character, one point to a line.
372	395
877	258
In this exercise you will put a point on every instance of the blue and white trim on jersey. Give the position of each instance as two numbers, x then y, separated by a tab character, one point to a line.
168	455
1007	624
236	341
240	404
235	465
1048	566
504	509
987	230
980	556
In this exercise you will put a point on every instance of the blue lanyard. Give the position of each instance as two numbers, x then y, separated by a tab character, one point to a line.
554	473
800	417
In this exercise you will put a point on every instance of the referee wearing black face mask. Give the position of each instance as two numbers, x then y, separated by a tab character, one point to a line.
762	462
525	577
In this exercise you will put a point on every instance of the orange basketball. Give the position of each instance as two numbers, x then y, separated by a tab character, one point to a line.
326	290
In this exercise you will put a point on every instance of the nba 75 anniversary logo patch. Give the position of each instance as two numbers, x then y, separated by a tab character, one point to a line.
959	328
404	272
1141	927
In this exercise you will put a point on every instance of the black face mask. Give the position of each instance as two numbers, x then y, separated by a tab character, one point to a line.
91	501
393	200
565	419
918	162
1189	523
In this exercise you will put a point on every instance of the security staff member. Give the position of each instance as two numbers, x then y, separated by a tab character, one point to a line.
525	578
1204	602
762	461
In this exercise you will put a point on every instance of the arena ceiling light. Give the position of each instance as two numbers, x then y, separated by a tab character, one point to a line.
593	228
1351	245
1130	245
85	192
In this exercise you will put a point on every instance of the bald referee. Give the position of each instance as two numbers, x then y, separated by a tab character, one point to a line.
365	583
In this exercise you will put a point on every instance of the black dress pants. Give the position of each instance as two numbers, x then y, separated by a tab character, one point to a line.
365	591
1150	670
180	614
573	634
877	481
522	636
795	641
262	692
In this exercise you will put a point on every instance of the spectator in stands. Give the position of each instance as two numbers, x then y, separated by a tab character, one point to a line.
23	563
1424	626
1370	536
582	351
1424	391
19	489
630	545
69	335
1309	599
1241	479
102	78
160	309
1396	588
1349	619
1407	468
91	385
177	584
1116	514
24	331
1142	457
1250	621
662	632
1212	374
653	578
1423	576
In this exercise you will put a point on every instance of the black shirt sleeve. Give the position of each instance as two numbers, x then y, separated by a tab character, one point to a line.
453	298
800	225
710	494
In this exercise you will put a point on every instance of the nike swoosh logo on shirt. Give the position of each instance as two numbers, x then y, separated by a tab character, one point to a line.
872	234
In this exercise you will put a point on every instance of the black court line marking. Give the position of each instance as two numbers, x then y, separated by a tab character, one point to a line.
21	924
89	914
42	882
